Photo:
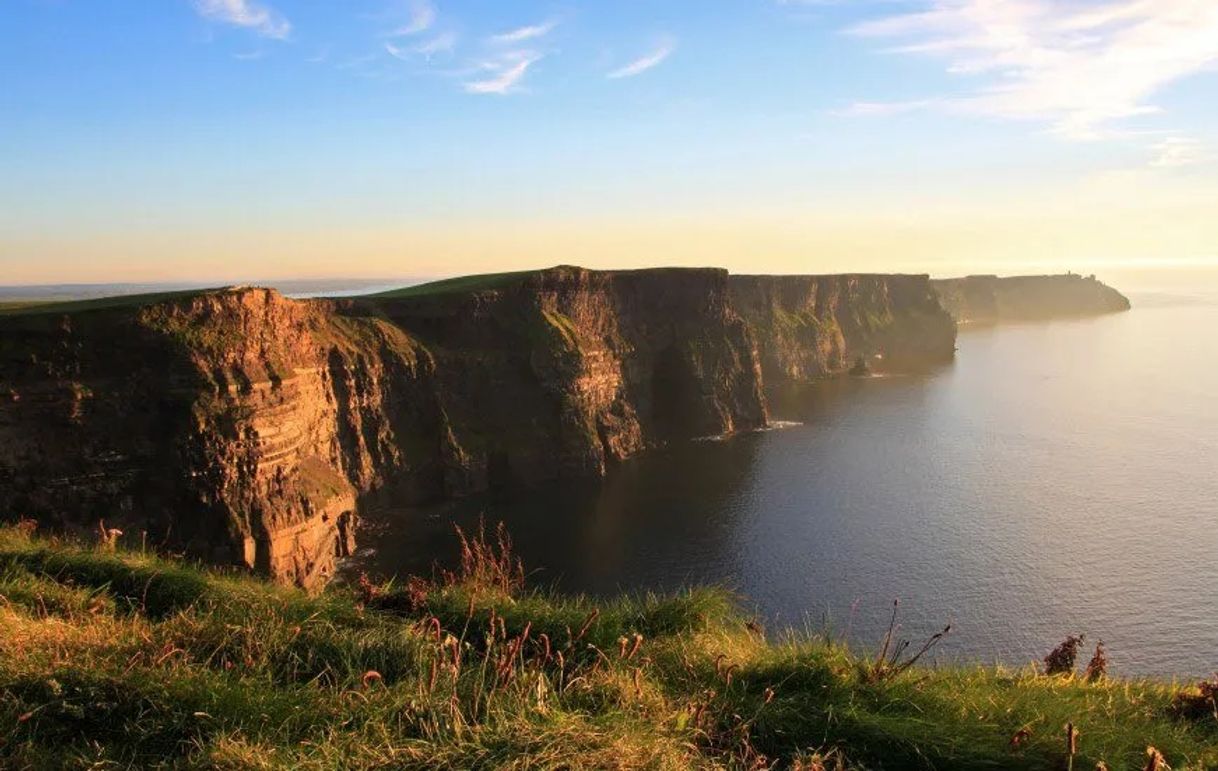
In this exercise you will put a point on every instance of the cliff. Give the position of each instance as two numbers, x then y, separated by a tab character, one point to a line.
990	299
243	427
208	421
809	327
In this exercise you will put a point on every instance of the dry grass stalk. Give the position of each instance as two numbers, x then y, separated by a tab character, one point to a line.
107	537
634	649
583	630
888	662
1071	744
489	564
1155	761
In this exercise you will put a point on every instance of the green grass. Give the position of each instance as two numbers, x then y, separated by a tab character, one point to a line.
124	660
33	307
475	283
12	306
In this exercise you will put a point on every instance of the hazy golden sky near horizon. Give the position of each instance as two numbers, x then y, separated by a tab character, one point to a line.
241	140
941	241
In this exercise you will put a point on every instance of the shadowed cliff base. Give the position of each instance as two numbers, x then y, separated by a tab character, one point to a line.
246	428
117	658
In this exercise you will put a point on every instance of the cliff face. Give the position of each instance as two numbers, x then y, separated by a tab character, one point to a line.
246	428
990	299
210	422
568	370
808	327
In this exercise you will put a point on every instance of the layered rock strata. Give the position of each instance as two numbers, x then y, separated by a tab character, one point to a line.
246	428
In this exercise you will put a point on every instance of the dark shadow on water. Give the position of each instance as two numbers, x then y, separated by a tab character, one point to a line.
654	523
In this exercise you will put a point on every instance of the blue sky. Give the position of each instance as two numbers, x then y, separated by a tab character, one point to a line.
235	139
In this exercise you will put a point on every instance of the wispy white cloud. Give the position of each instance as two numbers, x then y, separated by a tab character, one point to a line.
245	13
443	43
502	75
249	56
440	44
1078	66
1176	152
522	34
422	15
637	67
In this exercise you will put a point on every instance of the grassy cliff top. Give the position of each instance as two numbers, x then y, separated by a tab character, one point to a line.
36	307
488	281
476	283
115	659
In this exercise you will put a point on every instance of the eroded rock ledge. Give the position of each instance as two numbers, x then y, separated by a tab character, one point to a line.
242	427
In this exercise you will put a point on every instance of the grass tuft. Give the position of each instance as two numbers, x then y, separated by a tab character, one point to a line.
110	659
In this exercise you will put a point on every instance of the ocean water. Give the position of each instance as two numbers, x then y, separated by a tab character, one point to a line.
1058	478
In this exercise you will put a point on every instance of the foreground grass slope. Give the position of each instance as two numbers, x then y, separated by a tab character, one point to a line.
113	659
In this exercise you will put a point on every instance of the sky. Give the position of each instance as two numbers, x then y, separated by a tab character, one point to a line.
235	140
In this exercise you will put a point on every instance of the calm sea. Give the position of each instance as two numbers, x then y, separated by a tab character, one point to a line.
1058	478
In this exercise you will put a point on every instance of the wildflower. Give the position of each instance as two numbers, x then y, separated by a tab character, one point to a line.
415	594
368	591
1060	660
1021	736
1097	668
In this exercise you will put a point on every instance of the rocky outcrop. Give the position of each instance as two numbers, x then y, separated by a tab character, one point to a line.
246	428
991	299
810	327
209	422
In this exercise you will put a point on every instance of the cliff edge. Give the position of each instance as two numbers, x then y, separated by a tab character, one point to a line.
991	299
243	427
